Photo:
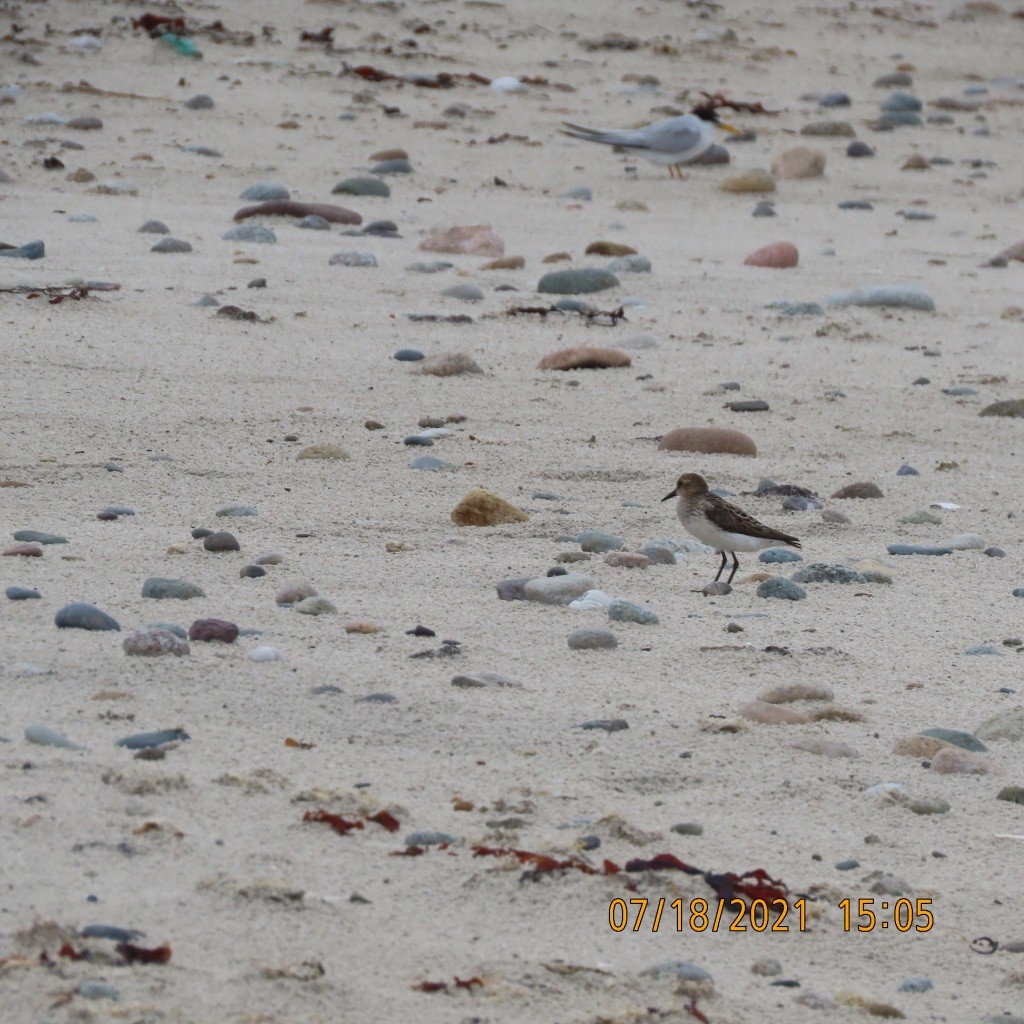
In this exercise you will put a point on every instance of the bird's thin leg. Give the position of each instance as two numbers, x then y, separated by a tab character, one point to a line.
671	170
721	568
735	566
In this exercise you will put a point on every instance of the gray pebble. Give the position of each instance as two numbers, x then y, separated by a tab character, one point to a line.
202	151
381	228
915	985
834	99
312	222
781	588
110	931
855	204
44	736
419	440
799	503
236	510
433	267
408	355
97	990
429	463
149	740
688	828
221	541
250	233
627	611
154	227
995	552
900	118
982	649
465	291
392	167
427	838
38	537
600	542
902	101
82	218
658	554
716	588
894	79
170	245
353	259
252	572
915	214
28	251
171	628
264	192
847	865
206	300
604	725
257	282
362	187
586	639
202	101
580	281
80	615
749	405
916	549
21	593
377	698
780	555
161	589
678	969
859	149
906	470
634	263
764	209
821	572
581	193
574	306
270	558
897	296
556	589
118	510
515	590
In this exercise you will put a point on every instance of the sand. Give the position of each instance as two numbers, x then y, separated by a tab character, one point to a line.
274	919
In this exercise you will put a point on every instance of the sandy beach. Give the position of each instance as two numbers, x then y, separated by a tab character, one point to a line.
368	822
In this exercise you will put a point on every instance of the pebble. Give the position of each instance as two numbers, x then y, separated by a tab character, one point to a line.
716	588
313	223
154	227
381	228
80	615
859	149
221	541
21	593
855	204
749	405
482	508
764	209
294	593
780	555
1013	407
206	300
847	865
829	129
512	590
408	355
110	931
44	736
627	560
556	589
798	163
591	601
485	680
862	489
428	838
93	989
152	642
262	654
250	233
756	180
994	552
983	649
429	463
377	698
967	542
587	639
25	550
37	537
834	99
954	761
688	828
656	554
161	589
766	967
776	255
323	451
117	510
916	549
599	542
252	572
898	296
171	628
263	192
902	101
464	291
1011	794
362	187
213	630
236	510
397	166
922	518
900	118
893	79
580	281
604	725
448	364
352	259
315	605
585	357
781	588
821	572
630	264
627	611
152	740
200	532
477	240
915	985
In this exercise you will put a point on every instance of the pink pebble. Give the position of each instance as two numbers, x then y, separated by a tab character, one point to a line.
780	255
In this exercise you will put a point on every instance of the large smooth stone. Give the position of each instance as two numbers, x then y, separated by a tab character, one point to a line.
558	589
777	255
899	296
80	615
584	358
708	441
580	281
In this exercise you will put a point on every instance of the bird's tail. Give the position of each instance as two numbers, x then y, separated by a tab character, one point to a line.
579	131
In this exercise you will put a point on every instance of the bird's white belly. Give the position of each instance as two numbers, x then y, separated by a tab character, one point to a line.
664	159
721	540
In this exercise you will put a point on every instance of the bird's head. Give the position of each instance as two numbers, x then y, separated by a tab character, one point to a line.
689	485
710	114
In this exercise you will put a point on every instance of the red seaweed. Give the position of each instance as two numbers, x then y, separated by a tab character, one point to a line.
340	825
442	986
140	955
385	820
291	208
70	953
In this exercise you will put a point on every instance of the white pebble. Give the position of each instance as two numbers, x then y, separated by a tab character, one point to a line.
264	654
592	601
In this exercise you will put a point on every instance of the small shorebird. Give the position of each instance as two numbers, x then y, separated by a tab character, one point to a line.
725	527
669	143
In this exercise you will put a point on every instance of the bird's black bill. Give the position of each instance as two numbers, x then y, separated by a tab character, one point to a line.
671	494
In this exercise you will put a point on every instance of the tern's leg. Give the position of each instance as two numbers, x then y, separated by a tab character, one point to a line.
735	566
721	568
671	170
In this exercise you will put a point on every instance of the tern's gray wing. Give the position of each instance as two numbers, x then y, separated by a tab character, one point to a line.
673	135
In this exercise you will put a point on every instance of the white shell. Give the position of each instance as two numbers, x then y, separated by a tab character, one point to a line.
592	601
264	654
947	505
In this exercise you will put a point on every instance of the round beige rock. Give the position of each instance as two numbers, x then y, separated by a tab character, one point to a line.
757	180
799	162
708	441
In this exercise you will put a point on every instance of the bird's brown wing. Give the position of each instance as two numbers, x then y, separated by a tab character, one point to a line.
728	517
